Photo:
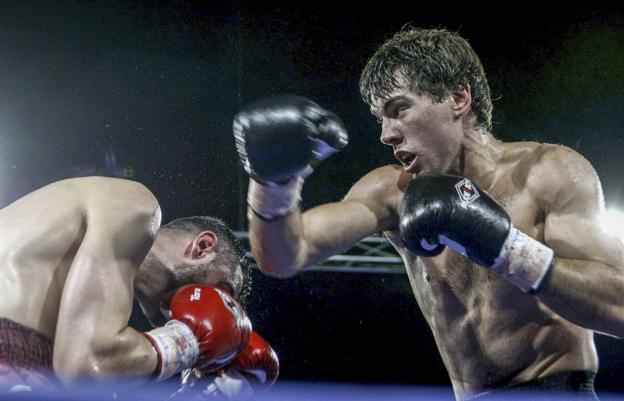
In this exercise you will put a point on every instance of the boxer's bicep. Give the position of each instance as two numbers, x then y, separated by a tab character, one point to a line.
574	226
92	334
302	240
582	237
370	207
586	282
571	224
333	228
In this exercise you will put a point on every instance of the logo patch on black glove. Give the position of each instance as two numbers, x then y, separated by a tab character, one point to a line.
467	191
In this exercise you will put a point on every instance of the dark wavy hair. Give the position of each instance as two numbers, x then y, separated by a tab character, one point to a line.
434	62
229	250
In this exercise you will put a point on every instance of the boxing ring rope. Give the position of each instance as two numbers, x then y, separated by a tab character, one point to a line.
281	391
373	254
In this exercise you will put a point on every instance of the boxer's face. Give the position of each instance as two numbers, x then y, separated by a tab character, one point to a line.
216	272
175	261
424	134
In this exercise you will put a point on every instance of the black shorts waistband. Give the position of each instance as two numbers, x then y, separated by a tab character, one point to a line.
576	385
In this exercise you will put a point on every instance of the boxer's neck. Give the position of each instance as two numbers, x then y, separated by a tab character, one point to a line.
480	157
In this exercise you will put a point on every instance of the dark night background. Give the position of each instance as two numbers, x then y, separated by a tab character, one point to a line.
148	90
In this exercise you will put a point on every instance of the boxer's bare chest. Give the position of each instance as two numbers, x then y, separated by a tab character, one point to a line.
479	320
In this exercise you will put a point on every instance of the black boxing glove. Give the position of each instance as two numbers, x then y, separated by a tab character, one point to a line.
280	140
446	210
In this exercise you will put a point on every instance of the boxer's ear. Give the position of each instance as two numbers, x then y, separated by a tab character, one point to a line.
461	100
205	243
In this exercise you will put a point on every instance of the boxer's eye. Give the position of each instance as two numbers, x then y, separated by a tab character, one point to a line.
396	109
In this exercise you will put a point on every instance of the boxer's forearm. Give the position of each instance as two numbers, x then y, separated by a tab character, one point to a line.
276	244
285	246
127	357
586	293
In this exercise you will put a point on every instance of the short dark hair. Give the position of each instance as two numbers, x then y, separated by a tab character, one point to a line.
229	248
434	62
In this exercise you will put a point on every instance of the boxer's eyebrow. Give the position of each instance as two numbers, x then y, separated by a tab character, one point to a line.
389	103
392	101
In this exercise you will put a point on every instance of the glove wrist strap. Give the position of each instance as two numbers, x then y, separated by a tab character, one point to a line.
524	261
271	202
176	346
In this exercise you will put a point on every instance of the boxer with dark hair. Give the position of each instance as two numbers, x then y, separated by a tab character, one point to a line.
459	201
74	255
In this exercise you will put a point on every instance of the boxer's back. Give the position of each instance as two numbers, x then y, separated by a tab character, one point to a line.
41	234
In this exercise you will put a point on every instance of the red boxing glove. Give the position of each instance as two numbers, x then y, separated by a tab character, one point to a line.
251	373
220	324
258	362
208	329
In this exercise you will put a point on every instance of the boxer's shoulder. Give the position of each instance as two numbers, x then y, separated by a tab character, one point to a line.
381	189
562	175
546	169
382	182
533	156
104	186
111	202
107	194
